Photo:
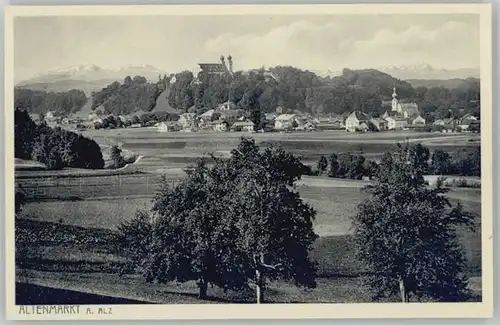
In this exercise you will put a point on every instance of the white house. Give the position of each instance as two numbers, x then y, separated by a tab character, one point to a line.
354	120
285	121
247	126
396	123
419	120
467	119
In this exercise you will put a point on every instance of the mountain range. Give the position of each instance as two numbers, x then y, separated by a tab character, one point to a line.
420	71
86	77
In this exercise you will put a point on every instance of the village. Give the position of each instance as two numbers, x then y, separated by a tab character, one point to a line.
227	117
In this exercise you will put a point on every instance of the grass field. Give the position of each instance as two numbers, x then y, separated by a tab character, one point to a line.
72	214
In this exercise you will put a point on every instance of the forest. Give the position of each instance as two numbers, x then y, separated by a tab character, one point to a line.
41	102
54	147
132	95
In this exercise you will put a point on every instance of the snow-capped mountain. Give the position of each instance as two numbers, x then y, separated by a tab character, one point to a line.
87	77
426	71
417	71
94	73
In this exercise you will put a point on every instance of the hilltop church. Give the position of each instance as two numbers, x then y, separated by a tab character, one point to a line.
218	68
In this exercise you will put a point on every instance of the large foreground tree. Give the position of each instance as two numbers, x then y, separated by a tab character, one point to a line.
406	233
234	224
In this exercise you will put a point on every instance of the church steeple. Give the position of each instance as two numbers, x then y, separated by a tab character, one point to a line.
394	95
395	103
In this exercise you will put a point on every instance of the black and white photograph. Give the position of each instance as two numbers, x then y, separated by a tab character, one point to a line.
182	156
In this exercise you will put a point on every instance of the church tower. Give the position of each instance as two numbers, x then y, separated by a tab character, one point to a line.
396	107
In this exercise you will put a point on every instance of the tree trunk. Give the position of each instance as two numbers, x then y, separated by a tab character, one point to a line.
203	289
402	290
259	288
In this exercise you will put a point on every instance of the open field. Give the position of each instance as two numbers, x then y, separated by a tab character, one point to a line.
176	149
72	214
84	260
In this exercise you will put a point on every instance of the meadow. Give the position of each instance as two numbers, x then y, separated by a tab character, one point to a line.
84	209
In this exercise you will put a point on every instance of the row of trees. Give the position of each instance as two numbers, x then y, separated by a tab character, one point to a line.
132	95
54	147
354	165
113	122
41	102
240	223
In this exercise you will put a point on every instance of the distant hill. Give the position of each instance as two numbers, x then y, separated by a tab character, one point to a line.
65	85
372	81
86	77
446	83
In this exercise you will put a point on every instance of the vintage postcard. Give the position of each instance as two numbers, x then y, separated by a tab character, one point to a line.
248	161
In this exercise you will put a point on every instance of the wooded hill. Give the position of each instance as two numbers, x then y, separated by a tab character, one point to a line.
293	89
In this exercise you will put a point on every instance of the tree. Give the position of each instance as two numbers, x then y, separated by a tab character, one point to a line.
116	157
333	165
258	230
406	233
371	168
54	160
467	163
322	165
351	165
421	156
441	162
276	226
20	200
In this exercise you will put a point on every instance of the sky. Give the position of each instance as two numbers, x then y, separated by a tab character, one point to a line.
175	43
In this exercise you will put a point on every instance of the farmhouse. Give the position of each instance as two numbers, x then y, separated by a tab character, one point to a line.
419	120
328	124
240	126
231	115
396	122
285	122
207	116
380	124
354	121
466	120
220	126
